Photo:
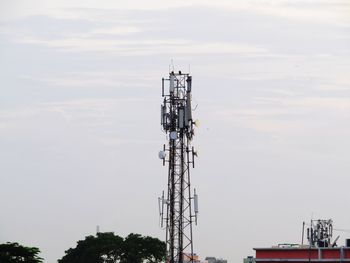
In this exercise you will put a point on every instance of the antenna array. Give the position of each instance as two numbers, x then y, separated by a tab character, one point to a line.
320	233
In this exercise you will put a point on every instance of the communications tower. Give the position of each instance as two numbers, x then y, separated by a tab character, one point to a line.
179	208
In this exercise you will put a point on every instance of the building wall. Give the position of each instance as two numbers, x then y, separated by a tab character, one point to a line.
302	255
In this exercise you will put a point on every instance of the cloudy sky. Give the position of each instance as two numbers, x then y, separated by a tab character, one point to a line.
79	118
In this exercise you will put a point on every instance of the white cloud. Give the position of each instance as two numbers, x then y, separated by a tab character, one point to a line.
325	103
144	47
116	30
10	115
283	116
317	11
338	104
94	79
71	110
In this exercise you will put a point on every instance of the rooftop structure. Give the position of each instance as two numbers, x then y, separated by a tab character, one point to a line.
302	254
320	248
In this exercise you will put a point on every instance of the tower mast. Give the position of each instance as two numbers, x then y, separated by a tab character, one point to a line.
177	123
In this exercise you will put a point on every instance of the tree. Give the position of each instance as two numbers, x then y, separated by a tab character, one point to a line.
138	249
13	253
110	248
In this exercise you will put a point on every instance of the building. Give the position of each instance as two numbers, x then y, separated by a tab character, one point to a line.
320	248
214	260
302	254
187	258
195	257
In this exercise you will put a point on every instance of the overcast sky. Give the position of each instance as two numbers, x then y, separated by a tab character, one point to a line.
79	118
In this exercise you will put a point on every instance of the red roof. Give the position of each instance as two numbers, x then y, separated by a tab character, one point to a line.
302	254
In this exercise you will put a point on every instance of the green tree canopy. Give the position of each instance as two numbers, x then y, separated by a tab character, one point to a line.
14	253
110	248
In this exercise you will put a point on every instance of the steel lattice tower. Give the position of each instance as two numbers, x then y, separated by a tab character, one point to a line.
181	207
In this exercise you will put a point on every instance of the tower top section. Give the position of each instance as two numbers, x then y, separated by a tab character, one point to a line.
176	111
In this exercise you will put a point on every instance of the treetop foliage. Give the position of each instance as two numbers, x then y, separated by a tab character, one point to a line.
15	253
110	248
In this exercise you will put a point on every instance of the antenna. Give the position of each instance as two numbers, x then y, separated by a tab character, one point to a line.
195	199
161	203
171	66
320	233
335	241
303	233
178	154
